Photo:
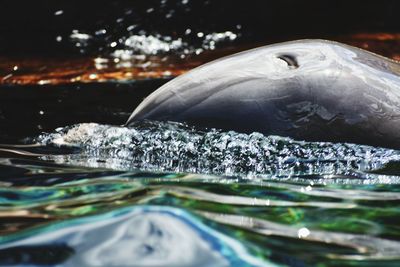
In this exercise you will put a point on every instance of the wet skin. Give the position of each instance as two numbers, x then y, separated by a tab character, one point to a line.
312	90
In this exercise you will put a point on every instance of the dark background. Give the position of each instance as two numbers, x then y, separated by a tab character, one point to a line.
30	27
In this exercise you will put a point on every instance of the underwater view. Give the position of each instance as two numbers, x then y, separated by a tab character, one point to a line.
133	134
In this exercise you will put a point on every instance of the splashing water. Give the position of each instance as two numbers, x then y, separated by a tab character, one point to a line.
153	45
178	148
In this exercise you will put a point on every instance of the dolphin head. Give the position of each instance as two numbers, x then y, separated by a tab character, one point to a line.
263	67
305	89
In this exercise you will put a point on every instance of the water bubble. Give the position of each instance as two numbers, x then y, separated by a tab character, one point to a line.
177	147
303	232
59	12
131	27
93	76
100	32
80	36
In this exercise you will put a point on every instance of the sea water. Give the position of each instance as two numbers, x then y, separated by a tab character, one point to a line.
166	194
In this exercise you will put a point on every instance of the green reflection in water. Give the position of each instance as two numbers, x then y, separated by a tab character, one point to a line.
297	223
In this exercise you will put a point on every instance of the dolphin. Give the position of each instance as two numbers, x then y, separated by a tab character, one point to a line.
313	90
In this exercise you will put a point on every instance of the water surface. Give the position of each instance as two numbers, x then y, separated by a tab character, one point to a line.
79	189
103	195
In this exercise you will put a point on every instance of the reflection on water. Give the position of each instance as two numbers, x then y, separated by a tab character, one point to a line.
139	236
131	222
324	204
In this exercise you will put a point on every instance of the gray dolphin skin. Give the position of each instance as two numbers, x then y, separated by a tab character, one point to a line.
312	90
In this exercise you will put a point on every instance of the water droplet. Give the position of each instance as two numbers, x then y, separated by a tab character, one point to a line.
131	27
303	232
79	36
167	73
42	82
101	32
59	12
7	77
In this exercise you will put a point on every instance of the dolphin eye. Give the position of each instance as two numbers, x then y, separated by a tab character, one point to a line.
290	60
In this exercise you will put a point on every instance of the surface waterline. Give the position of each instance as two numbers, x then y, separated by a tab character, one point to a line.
338	202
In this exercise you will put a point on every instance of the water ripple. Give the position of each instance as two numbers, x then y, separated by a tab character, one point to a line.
139	236
365	247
